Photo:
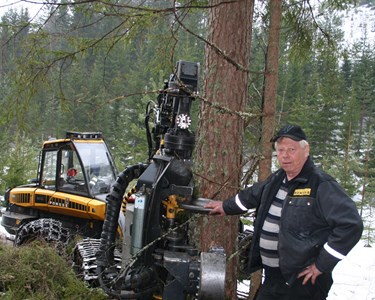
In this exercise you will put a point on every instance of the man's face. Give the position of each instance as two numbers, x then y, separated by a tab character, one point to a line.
291	156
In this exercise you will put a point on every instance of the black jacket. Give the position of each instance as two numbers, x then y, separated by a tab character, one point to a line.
319	221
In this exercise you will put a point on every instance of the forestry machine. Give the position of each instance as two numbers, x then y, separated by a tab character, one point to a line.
68	196
135	238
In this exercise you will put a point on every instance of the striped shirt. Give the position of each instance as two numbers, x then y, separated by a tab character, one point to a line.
269	236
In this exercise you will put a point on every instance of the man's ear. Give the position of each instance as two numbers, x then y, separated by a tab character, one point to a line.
307	150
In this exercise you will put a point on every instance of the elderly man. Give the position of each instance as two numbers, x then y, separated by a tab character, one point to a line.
305	223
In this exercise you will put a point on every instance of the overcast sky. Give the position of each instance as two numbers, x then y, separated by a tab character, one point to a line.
32	5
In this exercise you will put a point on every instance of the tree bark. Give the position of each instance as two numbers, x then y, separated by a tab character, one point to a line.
219	146
270	89
269	109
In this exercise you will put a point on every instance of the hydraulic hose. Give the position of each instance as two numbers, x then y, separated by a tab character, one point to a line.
105	254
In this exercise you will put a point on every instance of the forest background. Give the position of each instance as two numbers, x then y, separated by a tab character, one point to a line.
94	66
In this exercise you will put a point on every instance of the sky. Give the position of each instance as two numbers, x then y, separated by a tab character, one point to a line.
32	5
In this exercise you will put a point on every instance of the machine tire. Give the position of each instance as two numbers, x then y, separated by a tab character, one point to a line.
49	230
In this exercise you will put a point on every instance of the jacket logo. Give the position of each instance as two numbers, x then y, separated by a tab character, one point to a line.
302	192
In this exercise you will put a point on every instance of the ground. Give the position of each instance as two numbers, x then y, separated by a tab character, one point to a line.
354	276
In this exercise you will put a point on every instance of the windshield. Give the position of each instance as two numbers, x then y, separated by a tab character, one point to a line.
97	165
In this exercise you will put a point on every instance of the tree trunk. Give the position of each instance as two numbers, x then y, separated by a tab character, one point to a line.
269	109
270	89
219	146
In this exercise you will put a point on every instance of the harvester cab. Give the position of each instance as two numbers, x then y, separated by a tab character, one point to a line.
74	176
80	164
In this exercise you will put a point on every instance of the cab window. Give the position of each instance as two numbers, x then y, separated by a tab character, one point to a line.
72	178
49	170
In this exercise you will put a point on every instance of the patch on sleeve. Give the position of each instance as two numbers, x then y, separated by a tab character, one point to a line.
302	192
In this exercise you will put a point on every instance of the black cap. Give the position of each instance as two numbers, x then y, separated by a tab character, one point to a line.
294	132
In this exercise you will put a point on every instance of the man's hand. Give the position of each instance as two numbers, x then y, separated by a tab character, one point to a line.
217	208
311	272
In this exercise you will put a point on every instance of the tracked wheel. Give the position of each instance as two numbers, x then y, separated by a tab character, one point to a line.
49	230
84	260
